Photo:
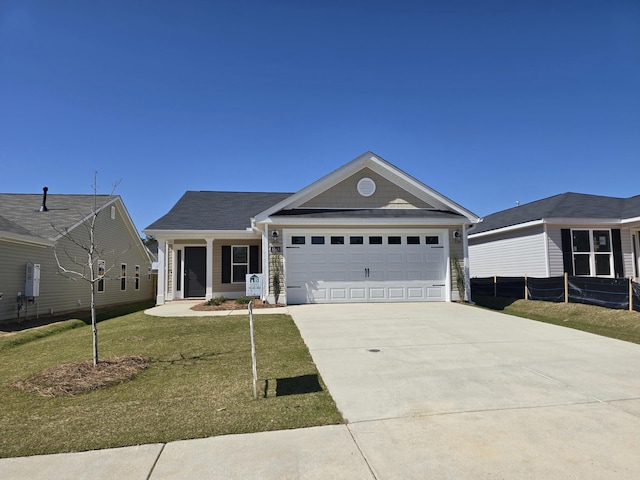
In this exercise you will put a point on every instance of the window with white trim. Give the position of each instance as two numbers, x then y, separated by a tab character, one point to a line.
101	272
592	252
123	276
239	263
137	278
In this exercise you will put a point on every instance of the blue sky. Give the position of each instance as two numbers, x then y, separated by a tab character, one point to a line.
487	102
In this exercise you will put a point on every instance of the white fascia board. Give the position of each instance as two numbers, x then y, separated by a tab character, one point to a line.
627	221
583	221
363	222
508	229
568	222
169	235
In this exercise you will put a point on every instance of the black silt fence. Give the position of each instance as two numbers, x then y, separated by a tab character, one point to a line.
546	289
510	287
612	293
609	292
482	287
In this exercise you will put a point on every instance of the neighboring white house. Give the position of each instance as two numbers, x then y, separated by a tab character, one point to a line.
32	226
583	235
366	232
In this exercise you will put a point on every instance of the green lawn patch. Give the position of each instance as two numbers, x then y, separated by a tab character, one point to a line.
198	383
620	324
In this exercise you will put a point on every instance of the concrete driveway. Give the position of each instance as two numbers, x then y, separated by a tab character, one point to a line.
429	391
452	391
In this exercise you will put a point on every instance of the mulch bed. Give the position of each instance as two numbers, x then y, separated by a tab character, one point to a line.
233	305
80	377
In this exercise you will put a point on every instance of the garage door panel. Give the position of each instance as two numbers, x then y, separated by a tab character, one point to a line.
395	275
415	293
395	257
396	293
376	293
338	293
358	294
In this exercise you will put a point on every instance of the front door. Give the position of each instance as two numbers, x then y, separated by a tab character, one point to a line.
195	271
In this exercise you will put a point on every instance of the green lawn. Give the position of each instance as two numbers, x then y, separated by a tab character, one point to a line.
620	324
198	384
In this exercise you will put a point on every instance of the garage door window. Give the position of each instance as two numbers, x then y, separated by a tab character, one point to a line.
392	240
375	240
317	240
337	240
297	240
413	240
432	240
356	240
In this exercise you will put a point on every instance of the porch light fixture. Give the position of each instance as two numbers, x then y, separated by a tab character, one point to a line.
274	236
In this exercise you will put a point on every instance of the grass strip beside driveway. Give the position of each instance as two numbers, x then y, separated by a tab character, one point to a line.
198	384
620	324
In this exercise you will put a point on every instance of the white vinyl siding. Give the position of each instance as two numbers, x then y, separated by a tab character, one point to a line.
516	255
554	242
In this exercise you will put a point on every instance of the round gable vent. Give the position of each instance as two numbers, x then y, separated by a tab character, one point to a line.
366	187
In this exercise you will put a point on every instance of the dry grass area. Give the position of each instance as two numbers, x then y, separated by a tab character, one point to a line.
80	377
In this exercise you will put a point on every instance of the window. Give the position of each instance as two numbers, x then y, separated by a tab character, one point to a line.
113	212
356	240
137	278
239	260
297	240
101	271
123	277
592	252
317	240
375	240
337	240
392	240
239	263
432	240
179	270
413	240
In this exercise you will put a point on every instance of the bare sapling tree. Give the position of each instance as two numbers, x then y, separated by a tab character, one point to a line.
89	265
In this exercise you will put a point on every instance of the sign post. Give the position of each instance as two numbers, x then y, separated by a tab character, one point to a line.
253	353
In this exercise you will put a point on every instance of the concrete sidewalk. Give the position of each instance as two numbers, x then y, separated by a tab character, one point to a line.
429	391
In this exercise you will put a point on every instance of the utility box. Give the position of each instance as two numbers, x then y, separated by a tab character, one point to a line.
32	285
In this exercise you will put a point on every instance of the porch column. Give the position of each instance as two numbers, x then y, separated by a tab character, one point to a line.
162	271
209	289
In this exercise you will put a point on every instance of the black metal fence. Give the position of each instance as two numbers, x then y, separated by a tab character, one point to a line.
617	293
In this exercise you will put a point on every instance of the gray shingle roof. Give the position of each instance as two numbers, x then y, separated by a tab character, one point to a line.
205	210
565	205
22	216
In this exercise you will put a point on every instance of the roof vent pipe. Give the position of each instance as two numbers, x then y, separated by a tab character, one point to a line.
44	208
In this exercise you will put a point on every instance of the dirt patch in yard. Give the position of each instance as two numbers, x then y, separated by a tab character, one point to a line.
80	377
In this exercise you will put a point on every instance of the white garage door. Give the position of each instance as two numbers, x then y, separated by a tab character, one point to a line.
365	266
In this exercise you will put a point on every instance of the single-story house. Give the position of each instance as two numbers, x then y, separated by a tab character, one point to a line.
36	227
582	235
367	232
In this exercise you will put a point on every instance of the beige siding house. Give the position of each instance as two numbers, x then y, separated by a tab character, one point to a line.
366	232
31	282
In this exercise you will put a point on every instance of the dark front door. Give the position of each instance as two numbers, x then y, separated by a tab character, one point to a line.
195	271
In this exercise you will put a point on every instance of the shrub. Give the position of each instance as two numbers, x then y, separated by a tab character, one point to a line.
216	301
243	300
